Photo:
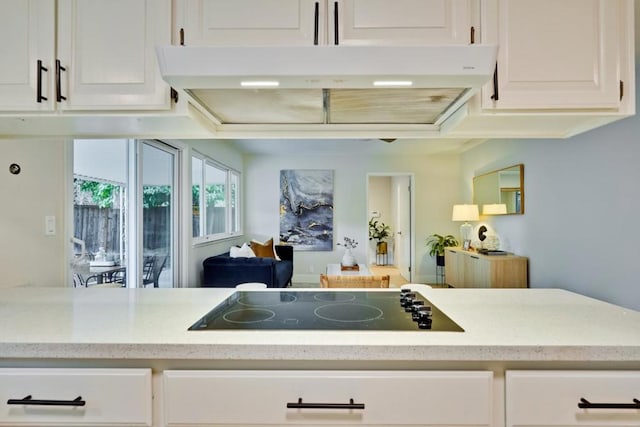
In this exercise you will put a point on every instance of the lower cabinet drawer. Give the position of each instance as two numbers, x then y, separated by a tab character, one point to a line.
551	398
75	397
327	397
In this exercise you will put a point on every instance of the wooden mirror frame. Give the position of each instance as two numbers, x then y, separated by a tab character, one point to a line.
487	189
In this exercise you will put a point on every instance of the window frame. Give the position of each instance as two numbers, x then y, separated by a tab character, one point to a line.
230	199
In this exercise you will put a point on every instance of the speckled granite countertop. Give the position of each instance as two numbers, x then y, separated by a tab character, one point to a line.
500	324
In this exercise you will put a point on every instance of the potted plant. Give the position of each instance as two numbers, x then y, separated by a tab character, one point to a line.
436	244
378	231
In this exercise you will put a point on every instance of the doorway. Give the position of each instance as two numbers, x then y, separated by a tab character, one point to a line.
390	201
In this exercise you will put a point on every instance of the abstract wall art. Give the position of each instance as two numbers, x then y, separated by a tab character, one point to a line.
306	209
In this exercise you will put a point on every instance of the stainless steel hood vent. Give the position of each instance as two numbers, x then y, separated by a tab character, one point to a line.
329	85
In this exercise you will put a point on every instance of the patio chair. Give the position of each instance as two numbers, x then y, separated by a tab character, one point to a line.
81	282
354	281
153	273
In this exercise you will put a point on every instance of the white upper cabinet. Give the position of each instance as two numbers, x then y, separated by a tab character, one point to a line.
250	22
108	49
103	57
556	54
308	22
27	35
399	22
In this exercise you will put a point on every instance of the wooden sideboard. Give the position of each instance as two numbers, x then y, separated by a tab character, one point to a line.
468	269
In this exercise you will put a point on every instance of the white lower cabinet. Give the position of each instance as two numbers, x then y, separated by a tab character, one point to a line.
551	398
211	398
75	397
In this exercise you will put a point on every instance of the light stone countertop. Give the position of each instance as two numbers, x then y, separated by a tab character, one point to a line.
499	324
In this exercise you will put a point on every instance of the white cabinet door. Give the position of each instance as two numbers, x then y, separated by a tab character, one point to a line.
557	54
108	51
292	397
551	398
252	22
399	22
26	37
83	397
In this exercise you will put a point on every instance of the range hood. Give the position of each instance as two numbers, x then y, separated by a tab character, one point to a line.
379	88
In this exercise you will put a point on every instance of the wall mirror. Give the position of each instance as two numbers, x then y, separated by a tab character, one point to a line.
500	192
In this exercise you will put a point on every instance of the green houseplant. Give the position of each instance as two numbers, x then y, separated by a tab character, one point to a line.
436	244
379	231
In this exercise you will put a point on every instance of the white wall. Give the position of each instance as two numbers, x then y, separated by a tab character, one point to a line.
28	257
224	152
580	227
436	190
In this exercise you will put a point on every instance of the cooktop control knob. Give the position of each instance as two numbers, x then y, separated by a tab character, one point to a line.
423	315
408	299
414	306
415	309
425	322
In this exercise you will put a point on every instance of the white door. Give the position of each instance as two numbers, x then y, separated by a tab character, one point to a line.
26	37
403	235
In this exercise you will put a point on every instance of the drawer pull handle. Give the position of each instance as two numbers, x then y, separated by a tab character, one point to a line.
585	404
300	405
28	400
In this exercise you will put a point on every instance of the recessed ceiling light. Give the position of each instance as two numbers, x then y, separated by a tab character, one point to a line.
272	83
393	83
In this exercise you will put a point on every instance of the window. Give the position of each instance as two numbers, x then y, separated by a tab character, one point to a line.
215	199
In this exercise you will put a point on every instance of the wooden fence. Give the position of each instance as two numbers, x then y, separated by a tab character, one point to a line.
102	227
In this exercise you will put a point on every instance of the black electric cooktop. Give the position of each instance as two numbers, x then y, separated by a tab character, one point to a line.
326	310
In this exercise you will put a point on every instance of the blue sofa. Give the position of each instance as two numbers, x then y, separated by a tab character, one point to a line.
222	271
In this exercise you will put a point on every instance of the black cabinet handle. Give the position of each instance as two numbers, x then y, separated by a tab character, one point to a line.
316	23
28	400
336	38
300	405
40	69
495	96
59	69
585	404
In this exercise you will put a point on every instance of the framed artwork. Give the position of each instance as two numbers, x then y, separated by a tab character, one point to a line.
466	245
306	209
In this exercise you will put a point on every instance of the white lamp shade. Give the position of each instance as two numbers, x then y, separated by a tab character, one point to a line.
465	213
494	209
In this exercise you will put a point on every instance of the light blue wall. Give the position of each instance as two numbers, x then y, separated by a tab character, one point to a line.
580	229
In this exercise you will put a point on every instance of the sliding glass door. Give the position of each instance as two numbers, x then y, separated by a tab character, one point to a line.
125	213
157	201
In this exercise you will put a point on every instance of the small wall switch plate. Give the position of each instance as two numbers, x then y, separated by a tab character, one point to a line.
50	225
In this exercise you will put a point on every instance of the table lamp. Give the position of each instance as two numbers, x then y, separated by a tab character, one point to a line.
465	213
